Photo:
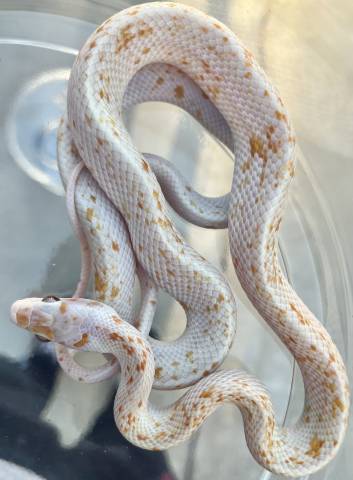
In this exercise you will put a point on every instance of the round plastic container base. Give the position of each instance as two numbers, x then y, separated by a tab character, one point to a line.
39	255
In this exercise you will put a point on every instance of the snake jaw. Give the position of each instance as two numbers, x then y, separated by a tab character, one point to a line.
41	323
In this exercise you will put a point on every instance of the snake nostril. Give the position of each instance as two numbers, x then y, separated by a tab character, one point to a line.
50	299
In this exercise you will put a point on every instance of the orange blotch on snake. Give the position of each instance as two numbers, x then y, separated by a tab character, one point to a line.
43	330
99	284
220	298
115	246
249	58
129	350
332	358
143	32
214	91
145	50
22	319
125	39
206	394
315	447
158	372
145	165
295	460
140	367
82	342
89	214
281	116
156	197
330	386
257	147
337	404
205	65
63	308
115	336
133	12
163	253
179	91
253	269
115	292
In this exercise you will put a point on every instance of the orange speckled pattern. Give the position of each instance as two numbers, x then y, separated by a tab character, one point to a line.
174	53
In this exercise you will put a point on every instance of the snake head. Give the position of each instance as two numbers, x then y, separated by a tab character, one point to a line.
51	318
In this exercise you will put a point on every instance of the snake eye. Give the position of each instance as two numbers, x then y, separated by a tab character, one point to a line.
50	299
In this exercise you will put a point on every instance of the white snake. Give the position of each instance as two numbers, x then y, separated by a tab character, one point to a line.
215	79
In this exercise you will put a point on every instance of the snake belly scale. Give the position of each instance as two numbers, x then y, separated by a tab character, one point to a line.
210	55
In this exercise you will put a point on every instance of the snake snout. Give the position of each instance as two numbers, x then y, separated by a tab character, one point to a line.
20	313
34	315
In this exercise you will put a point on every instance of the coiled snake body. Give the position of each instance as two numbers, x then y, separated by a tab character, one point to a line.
211	75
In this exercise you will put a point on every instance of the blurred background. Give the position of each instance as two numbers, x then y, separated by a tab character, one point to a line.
54	428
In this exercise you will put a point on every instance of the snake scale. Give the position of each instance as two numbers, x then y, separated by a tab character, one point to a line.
174	53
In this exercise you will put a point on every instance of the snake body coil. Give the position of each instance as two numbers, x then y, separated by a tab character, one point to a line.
207	66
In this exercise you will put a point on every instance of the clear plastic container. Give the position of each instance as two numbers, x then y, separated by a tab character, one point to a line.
55	427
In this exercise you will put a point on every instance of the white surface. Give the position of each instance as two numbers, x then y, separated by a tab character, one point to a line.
11	471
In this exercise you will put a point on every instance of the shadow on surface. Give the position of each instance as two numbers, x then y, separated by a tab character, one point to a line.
28	441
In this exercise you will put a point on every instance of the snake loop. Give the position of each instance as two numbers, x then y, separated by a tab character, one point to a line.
248	112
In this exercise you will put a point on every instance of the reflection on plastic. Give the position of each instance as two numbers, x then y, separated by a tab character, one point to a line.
32	126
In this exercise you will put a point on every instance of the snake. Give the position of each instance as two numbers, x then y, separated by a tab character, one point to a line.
243	109
85	197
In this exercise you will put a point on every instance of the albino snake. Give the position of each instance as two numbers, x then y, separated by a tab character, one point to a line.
215	79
